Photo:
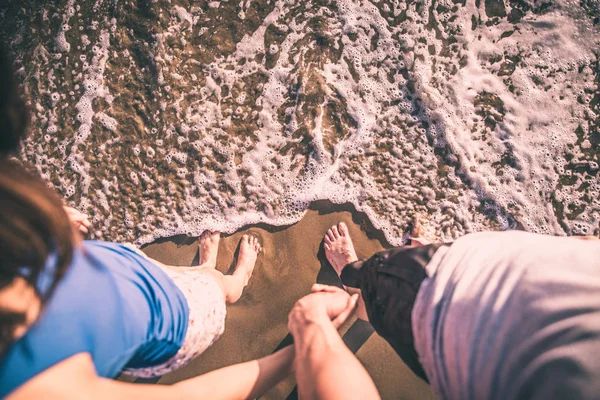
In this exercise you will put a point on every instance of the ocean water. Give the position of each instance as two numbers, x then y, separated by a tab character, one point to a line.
162	117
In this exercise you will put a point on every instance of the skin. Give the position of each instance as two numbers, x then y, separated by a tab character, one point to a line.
340	252
325	367
232	285
79	220
240	381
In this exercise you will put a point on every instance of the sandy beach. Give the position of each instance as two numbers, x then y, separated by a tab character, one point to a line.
292	261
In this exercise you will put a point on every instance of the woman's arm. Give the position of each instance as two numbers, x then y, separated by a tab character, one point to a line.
242	381
76	378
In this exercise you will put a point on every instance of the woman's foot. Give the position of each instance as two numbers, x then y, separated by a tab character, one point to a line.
249	249
208	246
339	249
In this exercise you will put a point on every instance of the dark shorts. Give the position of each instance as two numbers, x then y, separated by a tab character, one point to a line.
389	282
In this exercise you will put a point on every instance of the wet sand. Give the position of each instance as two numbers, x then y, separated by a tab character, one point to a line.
292	261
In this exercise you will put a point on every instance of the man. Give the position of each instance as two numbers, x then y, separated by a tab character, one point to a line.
495	315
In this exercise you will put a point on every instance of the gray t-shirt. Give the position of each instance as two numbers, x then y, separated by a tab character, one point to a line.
511	315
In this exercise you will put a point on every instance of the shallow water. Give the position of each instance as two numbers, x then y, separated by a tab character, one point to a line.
166	117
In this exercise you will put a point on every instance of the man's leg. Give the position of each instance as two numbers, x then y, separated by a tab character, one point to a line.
389	282
340	252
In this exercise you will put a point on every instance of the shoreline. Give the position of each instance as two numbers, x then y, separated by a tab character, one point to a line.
293	259
363	218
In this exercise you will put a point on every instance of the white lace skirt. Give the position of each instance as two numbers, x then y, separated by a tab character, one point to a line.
206	303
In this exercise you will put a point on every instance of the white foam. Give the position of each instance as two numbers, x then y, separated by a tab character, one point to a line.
396	100
106	121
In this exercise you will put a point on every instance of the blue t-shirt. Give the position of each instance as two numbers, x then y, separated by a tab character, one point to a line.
112	303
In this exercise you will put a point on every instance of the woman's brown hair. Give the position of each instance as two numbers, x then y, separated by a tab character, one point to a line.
33	225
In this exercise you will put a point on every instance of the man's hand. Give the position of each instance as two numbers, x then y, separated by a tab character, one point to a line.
78	219
327	304
325	367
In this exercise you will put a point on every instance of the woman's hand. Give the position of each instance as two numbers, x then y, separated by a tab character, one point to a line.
78	219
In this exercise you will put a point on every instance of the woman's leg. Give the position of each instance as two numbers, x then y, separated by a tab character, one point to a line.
231	285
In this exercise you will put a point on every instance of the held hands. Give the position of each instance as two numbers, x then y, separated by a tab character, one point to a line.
78	219
325	305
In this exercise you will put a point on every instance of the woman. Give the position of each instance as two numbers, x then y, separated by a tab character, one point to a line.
73	312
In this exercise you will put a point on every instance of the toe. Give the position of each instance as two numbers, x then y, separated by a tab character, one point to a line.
343	229
327	240
336	234
330	235
327	247
212	237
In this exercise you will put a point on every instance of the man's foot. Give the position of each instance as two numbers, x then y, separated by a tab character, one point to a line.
339	249
422	232
208	246
249	249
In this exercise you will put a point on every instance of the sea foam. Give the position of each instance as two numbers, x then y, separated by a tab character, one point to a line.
175	118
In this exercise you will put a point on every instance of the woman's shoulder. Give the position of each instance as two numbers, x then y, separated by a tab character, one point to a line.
58	380
86	314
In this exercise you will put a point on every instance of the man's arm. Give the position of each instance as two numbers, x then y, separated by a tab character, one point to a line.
325	367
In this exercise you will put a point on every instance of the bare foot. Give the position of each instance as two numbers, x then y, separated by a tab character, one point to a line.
339	249
208	246
422	232
78	219
249	249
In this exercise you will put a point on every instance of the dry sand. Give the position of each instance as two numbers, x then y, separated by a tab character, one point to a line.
292	261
